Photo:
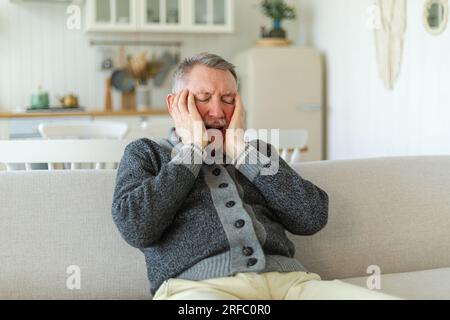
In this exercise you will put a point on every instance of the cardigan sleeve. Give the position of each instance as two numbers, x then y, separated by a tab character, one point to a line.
300	206
148	193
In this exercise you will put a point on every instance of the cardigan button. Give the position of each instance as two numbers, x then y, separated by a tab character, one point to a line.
247	251
251	262
230	204
239	224
223	185
216	172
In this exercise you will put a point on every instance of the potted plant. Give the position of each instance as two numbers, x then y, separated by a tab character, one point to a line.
278	11
143	71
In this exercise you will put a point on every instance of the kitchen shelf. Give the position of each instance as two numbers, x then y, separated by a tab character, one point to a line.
123	113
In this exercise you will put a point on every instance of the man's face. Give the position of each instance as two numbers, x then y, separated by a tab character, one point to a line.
215	92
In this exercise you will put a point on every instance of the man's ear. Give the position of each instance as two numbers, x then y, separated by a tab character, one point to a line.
169	101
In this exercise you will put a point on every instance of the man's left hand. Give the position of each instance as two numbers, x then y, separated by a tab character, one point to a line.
234	137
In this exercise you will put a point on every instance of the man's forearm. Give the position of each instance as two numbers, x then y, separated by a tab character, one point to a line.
146	202
301	206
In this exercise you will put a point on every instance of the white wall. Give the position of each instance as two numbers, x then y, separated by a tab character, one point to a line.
365	119
36	48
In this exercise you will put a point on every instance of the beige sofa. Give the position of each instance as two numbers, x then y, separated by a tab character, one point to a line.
391	213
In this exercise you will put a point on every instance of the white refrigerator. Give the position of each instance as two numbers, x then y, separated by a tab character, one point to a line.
283	88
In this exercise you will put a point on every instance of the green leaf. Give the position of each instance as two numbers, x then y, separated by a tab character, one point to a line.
278	10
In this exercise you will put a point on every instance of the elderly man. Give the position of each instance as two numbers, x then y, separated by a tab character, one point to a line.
216	229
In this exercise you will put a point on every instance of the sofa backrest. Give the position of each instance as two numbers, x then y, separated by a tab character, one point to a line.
55	226
391	213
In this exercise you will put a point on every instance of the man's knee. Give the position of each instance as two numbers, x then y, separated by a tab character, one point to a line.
201	294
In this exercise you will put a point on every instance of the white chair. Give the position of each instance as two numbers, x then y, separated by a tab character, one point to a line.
89	130
291	143
28	152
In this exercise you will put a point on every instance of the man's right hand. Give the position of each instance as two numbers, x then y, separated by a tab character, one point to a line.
188	122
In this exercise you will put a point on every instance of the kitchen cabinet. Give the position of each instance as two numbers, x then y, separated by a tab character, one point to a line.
207	16
111	15
162	15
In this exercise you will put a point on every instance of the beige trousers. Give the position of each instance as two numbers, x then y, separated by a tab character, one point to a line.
265	286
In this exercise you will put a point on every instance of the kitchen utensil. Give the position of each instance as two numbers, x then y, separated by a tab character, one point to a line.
122	81
129	101
69	101
39	99
168	62
108	96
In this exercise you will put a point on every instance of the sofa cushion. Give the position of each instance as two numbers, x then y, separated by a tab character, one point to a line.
390	212
427	284
51	221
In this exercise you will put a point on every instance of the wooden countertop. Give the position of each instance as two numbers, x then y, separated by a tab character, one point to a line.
122	113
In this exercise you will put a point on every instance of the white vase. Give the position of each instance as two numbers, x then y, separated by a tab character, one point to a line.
143	96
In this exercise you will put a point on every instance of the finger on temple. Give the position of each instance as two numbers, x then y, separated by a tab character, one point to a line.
183	101
174	107
192	108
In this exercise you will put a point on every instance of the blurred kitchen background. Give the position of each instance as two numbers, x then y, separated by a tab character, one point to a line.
37	47
111	60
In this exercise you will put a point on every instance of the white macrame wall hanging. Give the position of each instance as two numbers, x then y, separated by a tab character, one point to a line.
389	38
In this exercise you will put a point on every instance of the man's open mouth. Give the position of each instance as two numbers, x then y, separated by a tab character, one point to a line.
215	127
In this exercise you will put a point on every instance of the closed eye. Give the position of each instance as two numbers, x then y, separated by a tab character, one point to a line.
228	100
203	100
203	97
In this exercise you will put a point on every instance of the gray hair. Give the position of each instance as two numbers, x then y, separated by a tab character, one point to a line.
205	59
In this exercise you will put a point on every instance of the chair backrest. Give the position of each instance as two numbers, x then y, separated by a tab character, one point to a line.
75	152
89	130
292	143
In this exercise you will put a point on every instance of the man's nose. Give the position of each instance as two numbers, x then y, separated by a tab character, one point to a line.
215	110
